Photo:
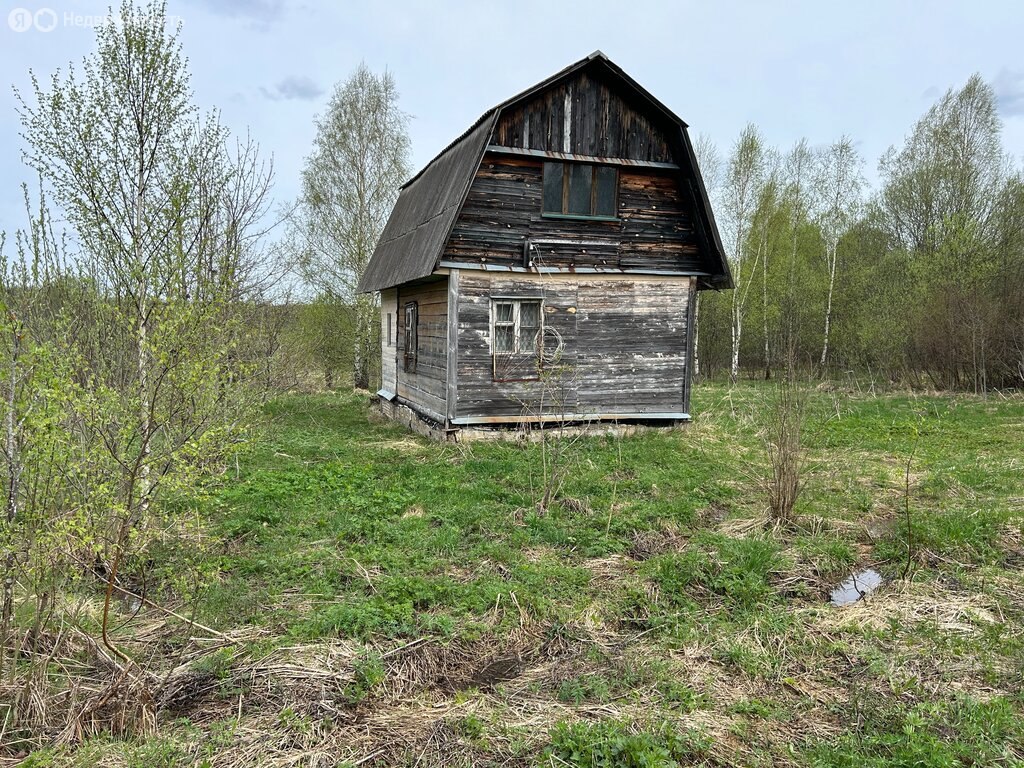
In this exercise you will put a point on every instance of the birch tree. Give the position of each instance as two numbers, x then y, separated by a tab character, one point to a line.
840	182
798	174
950	170
709	161
743	180
763	234
350	183
161	212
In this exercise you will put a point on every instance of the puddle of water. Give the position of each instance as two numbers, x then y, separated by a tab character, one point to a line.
856	587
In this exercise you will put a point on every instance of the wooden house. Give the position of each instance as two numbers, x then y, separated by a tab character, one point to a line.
544	265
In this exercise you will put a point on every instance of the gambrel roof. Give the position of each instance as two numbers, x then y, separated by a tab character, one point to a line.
414	238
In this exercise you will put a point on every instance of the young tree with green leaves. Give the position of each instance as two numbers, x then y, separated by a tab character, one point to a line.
350	183
764	229
941	201
53	492
709	160
743	180
797	200
164	216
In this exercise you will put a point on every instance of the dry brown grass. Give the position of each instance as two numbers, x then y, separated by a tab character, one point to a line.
289	707
908	604
667	538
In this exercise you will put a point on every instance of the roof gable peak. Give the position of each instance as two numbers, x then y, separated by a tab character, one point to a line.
425	212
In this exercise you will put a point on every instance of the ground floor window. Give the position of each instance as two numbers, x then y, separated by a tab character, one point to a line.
517	327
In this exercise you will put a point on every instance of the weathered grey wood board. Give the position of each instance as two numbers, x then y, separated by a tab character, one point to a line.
623	346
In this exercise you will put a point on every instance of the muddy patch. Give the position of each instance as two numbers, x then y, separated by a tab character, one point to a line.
713	514
497	671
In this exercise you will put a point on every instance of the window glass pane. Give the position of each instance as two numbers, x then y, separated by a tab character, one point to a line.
553	187
529	325
504	339
579	189
411	337
606	180
503	312
529	314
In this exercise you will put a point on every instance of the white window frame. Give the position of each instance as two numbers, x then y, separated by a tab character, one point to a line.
516	302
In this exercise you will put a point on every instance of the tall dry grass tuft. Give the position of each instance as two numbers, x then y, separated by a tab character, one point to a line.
784	418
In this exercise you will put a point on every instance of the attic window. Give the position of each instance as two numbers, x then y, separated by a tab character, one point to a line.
580	190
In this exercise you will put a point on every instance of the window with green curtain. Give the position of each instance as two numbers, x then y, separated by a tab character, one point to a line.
580	189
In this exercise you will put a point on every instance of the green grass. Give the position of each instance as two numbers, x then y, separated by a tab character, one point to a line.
610	744
961	731
654	618
327	500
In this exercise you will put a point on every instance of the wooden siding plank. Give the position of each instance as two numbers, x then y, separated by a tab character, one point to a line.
597	157
452	360
691	319
388	350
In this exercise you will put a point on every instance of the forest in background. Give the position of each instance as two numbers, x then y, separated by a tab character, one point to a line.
918	282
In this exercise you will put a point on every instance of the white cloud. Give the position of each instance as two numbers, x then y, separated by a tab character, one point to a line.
297	87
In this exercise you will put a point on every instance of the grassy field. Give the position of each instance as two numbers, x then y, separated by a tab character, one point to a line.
376	599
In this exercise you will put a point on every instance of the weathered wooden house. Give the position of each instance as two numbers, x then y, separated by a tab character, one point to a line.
544	265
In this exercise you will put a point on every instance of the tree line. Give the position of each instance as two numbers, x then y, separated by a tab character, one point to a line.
920	281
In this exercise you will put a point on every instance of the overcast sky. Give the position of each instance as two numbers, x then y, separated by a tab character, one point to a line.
813	69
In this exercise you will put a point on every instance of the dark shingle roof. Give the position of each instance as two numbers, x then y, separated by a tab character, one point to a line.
423	216
414	237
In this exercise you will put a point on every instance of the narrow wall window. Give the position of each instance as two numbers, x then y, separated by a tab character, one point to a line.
517	331
389	336
412	341
579	189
